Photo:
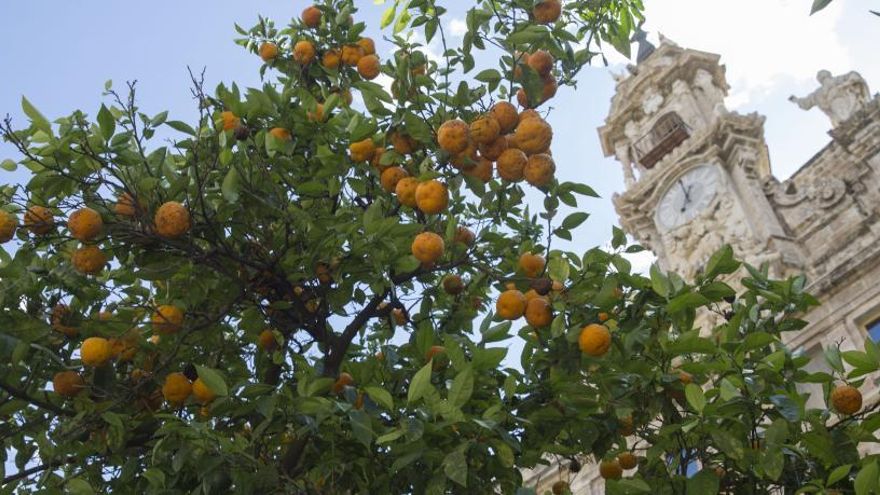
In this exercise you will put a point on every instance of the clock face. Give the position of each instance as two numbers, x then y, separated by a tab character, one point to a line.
690	194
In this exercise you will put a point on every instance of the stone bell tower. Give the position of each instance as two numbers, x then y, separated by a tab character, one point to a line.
694	171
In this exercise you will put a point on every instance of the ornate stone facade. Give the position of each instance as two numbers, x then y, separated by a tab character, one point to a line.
698	176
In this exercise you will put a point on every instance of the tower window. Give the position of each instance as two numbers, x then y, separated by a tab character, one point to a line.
873	329
668	132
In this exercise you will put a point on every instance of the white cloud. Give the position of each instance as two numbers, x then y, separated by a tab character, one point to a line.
457	27
764	43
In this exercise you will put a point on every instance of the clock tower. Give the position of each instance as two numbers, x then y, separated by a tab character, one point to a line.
694	171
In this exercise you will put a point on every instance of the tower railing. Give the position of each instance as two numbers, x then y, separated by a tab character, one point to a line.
668	132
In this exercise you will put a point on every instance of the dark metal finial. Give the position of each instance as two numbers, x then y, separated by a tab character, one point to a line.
646	48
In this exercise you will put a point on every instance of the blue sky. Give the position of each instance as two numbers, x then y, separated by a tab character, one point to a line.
66	50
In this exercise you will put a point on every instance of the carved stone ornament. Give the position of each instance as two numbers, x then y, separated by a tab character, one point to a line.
839	97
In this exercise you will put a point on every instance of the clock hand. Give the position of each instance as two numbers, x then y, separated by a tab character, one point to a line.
687	196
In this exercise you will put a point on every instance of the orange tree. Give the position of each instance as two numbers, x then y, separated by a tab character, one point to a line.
306	295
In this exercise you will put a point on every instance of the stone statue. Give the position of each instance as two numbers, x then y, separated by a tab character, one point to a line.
839	97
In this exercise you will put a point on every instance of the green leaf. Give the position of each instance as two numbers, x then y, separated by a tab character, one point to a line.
497	333
838	474
717	291
106	122
380	396
388	16
77	486
181	126
695	397
773	462
36	117
455	467
488	76
819	5
361	427
659	282
213	379
860	360
705	483
230	185
420	383
867	479
574	220
462	387
9	165
558	268
689	300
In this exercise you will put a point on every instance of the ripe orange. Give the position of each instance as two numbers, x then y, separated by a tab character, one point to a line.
311	16
530	114
548	90
432	197
318	114
399	316
268	51
539	170
506	115
610	470
391	176
331	59
538	312
85	224
172	220
406	191
531	264
493	150
369	67
39	220
351	54
453	285
88	259
627	460
684	377
167	319
626	426
464	235
8	224
267	340
68	383
95	352
547	11
428	247
125	347
304	52
367	45
560	487
594	340
344	380
403	143
534	136
124	206
485	129
434	351
281	134
62	320
522	97
176	389
467	158
362	151
453	136
202	392
541	62
376	161
520	60
230	120
846	399
512	164
483	170
603	316
531	294
511	304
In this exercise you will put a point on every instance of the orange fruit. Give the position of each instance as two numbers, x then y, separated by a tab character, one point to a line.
531	294
603	316
85	224
560	487
172	220
176	388
268	51
467	158
8	224
230	120
432	197
202	392
311	16
125	347
434	351
124	206
531	264
534	136
453	285
846	399
610	470
485	129
685	377
493	150
511	304
512	164
88	259
547	11
39	220
62	320
627	460
483	170
453	136
520	60
626	426
367	45
68	383
304	52
506	115
538	312
363	150
464	235
428	247
530	114
539	170
376	161
399	316
318	114
267	340
281	134
167	319
344	380
406	191
391	176
594	340
369	67
402	143
351	54
548	90
541	61
95	352
331	59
